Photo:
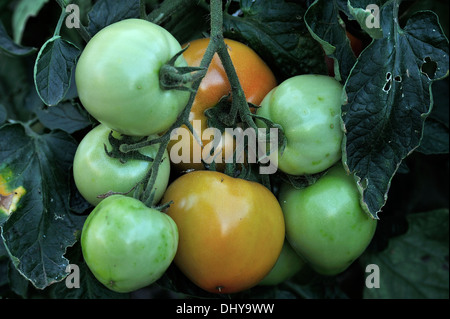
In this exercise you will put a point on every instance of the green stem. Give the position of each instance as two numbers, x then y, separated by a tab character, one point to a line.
142	10
149	181
60	22
239	103
216	45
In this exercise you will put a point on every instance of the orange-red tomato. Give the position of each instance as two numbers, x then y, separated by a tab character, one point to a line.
254	76
231	231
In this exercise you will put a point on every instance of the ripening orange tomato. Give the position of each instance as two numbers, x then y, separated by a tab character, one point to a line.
231	231
255	78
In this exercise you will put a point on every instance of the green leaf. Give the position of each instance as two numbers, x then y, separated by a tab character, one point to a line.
14	87
389	98
435	138
53	69
7	44
38	229
3	114
67	116
414	265
277	32
325	25
18	284
106	12
366	12
23	11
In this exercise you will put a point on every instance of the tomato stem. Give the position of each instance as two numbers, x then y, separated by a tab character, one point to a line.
173	77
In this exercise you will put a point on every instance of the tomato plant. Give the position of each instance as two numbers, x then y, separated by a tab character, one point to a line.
256	80
117	78
69	66
325	222
224	223
126	244
96	173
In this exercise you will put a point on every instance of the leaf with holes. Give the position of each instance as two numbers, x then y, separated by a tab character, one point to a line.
389	97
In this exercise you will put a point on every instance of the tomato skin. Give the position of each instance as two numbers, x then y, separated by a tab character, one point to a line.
288	264
256	80
95	173
231	230
325	223
126	244
254	75
117	78
356	44
308	108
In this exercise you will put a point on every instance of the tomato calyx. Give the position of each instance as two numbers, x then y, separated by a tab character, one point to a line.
127	148
172	77
123	157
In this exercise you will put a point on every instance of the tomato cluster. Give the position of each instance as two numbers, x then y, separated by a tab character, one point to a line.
225	234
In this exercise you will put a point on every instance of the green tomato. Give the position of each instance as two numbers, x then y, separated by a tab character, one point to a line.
95	173
288	264
325	223
117	78
126	244
308	108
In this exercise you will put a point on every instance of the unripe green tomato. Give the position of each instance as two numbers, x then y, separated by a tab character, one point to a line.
325	223
288	264
95	173
126	244
117	78
308	108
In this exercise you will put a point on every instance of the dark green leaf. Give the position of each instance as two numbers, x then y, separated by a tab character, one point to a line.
22	12
14	87
3	252
277	32
435	138
9	46
67	116
18	283
414	265
40	228
3	114
53	69
326	26
388	96
106	12
361	11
